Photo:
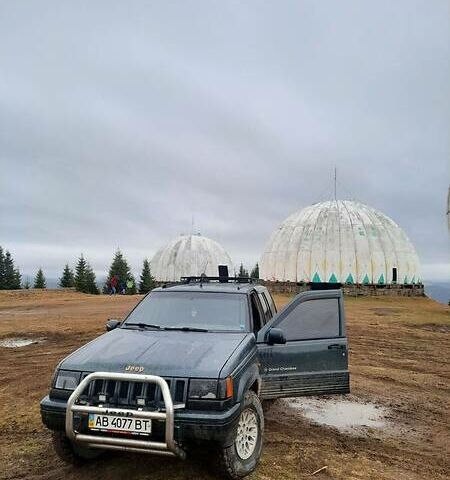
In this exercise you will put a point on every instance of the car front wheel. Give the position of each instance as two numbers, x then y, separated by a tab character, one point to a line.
71	452
242	456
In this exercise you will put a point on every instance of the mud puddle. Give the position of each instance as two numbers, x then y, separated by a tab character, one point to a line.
350	416
19	342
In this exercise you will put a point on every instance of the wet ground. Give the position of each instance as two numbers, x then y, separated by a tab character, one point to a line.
19	342
394	425
344	414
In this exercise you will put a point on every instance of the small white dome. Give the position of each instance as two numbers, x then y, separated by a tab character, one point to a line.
340	241
189	255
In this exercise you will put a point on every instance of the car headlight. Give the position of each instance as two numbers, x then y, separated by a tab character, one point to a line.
67	380
203	388
211	389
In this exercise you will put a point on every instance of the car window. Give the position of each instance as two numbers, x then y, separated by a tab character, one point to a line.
208	310
265	306
270	302
256	313
318	318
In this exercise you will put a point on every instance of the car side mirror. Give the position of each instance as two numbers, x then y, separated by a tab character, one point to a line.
112	324
275	336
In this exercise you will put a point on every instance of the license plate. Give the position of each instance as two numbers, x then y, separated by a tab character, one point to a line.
114	423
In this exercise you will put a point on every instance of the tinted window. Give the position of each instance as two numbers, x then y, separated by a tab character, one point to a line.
213	311
312	319
257	324
265	306
269	299
263	300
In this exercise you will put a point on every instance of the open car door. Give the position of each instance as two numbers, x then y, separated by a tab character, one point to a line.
303	349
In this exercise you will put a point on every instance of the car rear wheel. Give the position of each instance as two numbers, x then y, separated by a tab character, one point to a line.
72	453
242	456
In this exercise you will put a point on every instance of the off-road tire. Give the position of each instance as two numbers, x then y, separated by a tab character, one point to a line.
230	464
72	453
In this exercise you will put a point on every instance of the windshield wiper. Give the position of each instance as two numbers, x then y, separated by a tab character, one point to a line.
158	327
186	329
142	325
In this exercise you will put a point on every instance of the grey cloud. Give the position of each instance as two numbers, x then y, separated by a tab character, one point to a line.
120	121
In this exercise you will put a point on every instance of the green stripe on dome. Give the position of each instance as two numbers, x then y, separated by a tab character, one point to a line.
316	278
381	280
349	279
366	280
333	279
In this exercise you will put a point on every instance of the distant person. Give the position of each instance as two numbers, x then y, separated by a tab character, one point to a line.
130	285
122	288
114	282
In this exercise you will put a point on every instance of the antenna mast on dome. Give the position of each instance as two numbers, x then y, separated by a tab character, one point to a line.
335	175
192	224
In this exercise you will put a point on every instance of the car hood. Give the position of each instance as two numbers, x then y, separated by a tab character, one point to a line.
164	353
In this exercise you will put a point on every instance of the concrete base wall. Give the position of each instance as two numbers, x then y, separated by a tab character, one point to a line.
351	290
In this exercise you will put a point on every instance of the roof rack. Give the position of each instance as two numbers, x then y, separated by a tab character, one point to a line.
204	279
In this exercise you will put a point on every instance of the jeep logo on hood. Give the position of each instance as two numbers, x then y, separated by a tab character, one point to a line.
134	368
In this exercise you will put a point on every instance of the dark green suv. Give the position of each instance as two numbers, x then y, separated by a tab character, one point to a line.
192	363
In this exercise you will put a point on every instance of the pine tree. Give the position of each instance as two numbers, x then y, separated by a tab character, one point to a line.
90	285
84	277
11	275
17	283
9	270
39	280
80	274
120	268
67	279
2	269
243	272
147	282
255	271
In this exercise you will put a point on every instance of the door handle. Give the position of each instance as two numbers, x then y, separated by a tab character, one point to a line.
336	346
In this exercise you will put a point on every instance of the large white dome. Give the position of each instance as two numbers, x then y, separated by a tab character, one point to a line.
189	255
340	241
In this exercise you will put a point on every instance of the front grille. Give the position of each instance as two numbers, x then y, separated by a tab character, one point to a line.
127	394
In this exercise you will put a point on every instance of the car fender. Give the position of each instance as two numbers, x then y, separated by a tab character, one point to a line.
247	379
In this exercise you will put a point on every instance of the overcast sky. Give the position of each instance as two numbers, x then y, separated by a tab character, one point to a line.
119	121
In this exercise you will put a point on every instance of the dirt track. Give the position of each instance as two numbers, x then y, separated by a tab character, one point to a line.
399	355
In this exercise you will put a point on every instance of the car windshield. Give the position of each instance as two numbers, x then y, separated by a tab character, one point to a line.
195	310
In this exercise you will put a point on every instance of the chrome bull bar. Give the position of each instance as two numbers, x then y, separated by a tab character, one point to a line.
169	447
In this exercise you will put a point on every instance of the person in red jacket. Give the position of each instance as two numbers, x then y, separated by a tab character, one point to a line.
114	282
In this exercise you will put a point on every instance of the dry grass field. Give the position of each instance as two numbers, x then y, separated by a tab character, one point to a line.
399	360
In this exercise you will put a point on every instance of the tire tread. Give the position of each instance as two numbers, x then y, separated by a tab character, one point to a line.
66	451
225	455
